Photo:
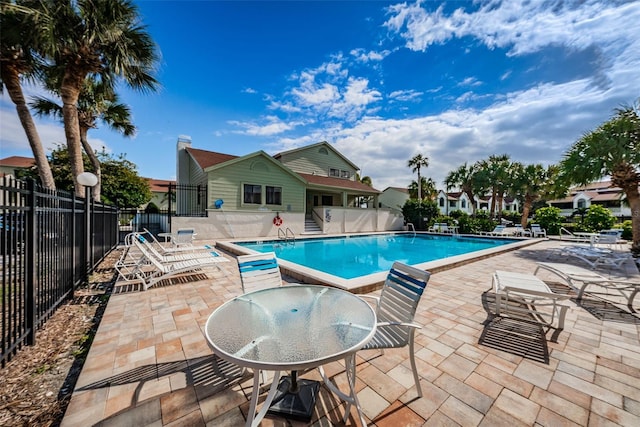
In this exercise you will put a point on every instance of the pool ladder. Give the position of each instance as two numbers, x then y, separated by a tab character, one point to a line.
410	227
286	235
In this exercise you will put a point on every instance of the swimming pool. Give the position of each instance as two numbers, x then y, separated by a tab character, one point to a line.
359	260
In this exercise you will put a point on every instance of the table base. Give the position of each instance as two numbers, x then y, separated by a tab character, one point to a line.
295	405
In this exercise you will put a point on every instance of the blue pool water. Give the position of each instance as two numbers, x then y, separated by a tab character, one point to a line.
355	256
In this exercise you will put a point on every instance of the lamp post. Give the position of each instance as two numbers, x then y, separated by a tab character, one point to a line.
88	180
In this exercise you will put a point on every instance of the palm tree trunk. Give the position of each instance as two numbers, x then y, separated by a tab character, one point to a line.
11	80
96	190
69	94
419	185
633	198
526	208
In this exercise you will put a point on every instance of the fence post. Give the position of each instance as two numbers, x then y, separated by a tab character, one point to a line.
87	234
169	210
30	267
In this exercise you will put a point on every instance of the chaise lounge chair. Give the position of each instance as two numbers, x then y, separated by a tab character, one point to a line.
580	278
538	231
596	257
499	230
523	295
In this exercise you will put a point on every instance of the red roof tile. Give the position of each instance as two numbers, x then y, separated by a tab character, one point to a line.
160	185
206	158
18	162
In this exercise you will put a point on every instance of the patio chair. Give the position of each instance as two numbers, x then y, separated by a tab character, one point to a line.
183	237
396	309
538	231
580	278
151	269
596	257
259	271
610	238
521	231
522	296
499	230
174	256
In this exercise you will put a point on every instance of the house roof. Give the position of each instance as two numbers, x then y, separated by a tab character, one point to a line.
400	189
307	147
159	185
454	196
18	162
206	158
329	181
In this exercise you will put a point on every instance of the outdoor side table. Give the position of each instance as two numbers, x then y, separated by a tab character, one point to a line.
291	328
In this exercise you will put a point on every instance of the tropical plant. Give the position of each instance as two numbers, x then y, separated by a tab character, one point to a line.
464	179
598	218
612	149
529	183
419	212
427	190
122	186
493	173
416	163
581	212
18	61
549	218
102	39
97	101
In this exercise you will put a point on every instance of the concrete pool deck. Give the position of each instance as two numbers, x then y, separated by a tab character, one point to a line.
149	363
371	282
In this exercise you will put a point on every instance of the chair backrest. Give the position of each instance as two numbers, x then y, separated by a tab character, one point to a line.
184	236
444	226
607	239
400	296
259	271
499	228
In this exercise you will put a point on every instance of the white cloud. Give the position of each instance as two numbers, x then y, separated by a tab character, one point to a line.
361	55
405	95
273	126
523	26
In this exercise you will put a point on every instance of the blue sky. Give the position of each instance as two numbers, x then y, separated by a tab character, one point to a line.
382	81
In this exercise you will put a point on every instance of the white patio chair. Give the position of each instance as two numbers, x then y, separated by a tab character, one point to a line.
396	309
497	231
538	231
596	257
183	237
259	271
521	231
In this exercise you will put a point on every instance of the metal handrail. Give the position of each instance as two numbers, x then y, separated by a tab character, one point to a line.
410	226
284	234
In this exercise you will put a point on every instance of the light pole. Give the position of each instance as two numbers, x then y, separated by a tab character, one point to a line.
88	180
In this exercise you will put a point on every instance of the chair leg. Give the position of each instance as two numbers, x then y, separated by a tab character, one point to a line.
412	357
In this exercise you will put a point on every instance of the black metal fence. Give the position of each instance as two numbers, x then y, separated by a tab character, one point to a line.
51	241
188	200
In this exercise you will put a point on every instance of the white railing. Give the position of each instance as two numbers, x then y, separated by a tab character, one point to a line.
286	235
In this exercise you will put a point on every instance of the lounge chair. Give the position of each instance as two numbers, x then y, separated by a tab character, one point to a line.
259	271
521	231
151	269
396	309
596	257
610	238
499	230
537	231
183	237
580	278
523	295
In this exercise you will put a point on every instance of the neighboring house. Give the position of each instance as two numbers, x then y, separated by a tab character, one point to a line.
595	193
307	187
9	166
393	198
453	201
160	193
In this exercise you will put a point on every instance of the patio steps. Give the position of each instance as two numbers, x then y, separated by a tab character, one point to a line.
311	227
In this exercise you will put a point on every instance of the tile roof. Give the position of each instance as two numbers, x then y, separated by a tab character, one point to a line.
337	182
160	185
18	162
206	158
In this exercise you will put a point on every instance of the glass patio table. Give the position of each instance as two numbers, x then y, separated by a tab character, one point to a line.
292	328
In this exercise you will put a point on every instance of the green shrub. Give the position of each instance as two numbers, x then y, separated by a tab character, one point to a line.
421	215
512	216
627	232
152	208
598	218
549	218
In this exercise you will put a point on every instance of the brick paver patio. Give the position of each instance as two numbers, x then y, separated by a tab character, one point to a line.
150	364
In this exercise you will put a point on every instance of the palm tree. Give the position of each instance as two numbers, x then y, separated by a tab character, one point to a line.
96	101
463	178
102	39
17	61
529	183
612	149
416	162
496	174
427	188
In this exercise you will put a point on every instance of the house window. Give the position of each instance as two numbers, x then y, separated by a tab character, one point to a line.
323	150
252	194
441	202
327	200
581	203
274	195
334	172
464	204
345	174
452	203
